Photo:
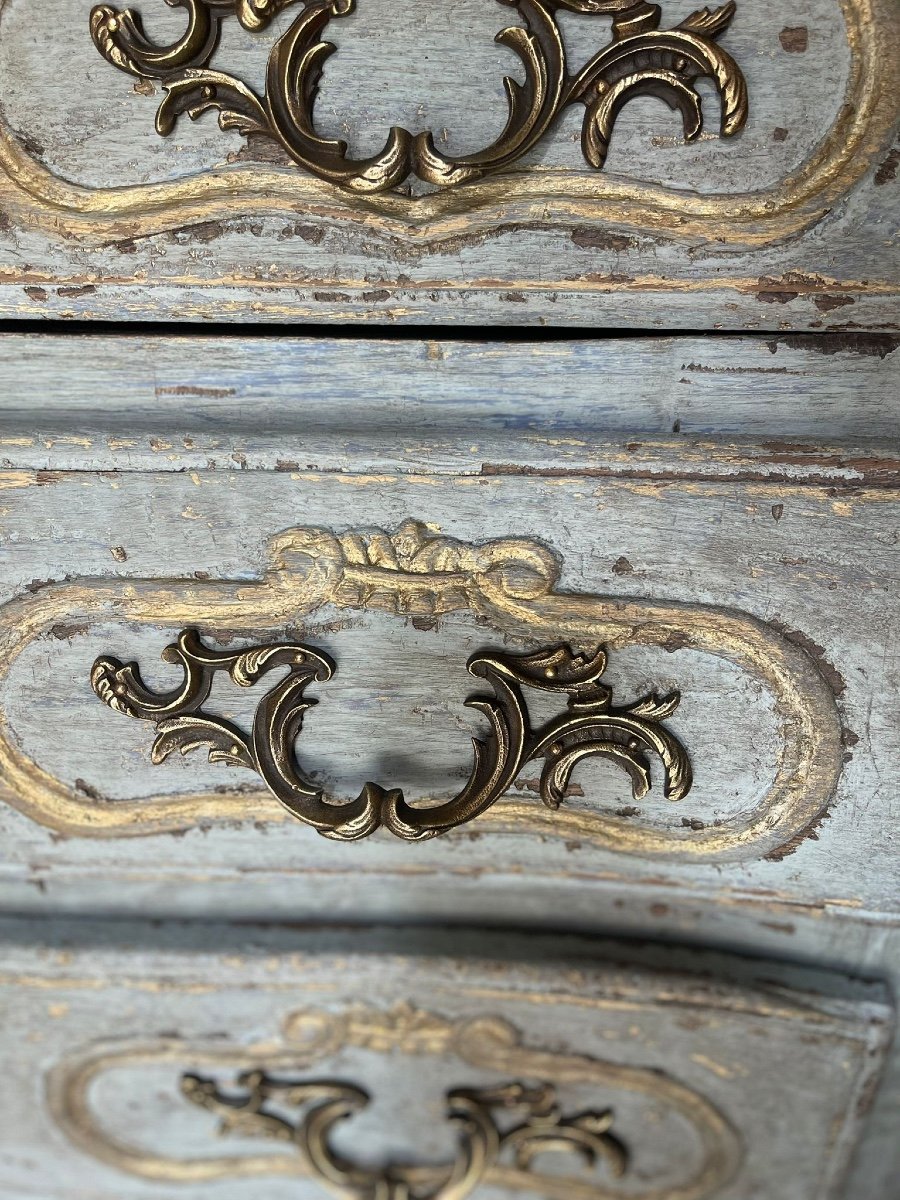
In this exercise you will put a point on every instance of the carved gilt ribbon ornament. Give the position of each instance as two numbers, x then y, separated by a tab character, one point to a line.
641	59
589	726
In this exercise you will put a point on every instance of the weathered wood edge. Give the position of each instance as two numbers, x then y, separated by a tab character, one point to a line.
190	946
792	410
778	303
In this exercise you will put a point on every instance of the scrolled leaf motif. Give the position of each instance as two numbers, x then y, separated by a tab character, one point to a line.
256	15
292	81
533	106
119	35
198	92
642	59
249	1110
590	726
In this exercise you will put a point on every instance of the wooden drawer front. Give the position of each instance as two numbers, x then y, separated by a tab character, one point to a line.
130	1054
742	597
400	613
102	217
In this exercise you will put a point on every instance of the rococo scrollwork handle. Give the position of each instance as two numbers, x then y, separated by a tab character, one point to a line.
305	1114
641	59
589	726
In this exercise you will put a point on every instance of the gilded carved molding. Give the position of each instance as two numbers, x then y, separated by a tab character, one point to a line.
590	726
251	1091
640	60
508	586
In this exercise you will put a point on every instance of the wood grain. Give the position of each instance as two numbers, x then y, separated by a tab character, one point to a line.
617	406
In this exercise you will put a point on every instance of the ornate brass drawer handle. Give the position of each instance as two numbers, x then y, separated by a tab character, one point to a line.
591	725
641	59
253	1111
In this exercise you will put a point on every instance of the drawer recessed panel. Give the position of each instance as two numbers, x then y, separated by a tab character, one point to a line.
272	1065
354	184
448	604
668	678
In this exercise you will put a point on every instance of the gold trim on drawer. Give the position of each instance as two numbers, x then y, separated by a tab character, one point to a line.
309	1037
847	150
507	585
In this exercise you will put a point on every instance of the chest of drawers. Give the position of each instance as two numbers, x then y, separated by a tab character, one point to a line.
450	761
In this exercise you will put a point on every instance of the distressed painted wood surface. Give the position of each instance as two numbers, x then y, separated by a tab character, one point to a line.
777	501
102	1021
235	403
787	533
789	226
674	575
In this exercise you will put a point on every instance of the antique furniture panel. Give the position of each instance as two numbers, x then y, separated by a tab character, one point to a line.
720	514
779	211
773	689
139	1062
736	587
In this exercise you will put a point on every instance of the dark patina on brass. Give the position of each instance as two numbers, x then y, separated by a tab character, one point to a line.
641	59
589	726
256	1108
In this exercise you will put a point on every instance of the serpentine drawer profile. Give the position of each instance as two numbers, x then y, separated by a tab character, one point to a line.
426	1065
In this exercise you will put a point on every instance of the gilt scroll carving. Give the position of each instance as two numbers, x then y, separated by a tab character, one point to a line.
641	59
589	726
